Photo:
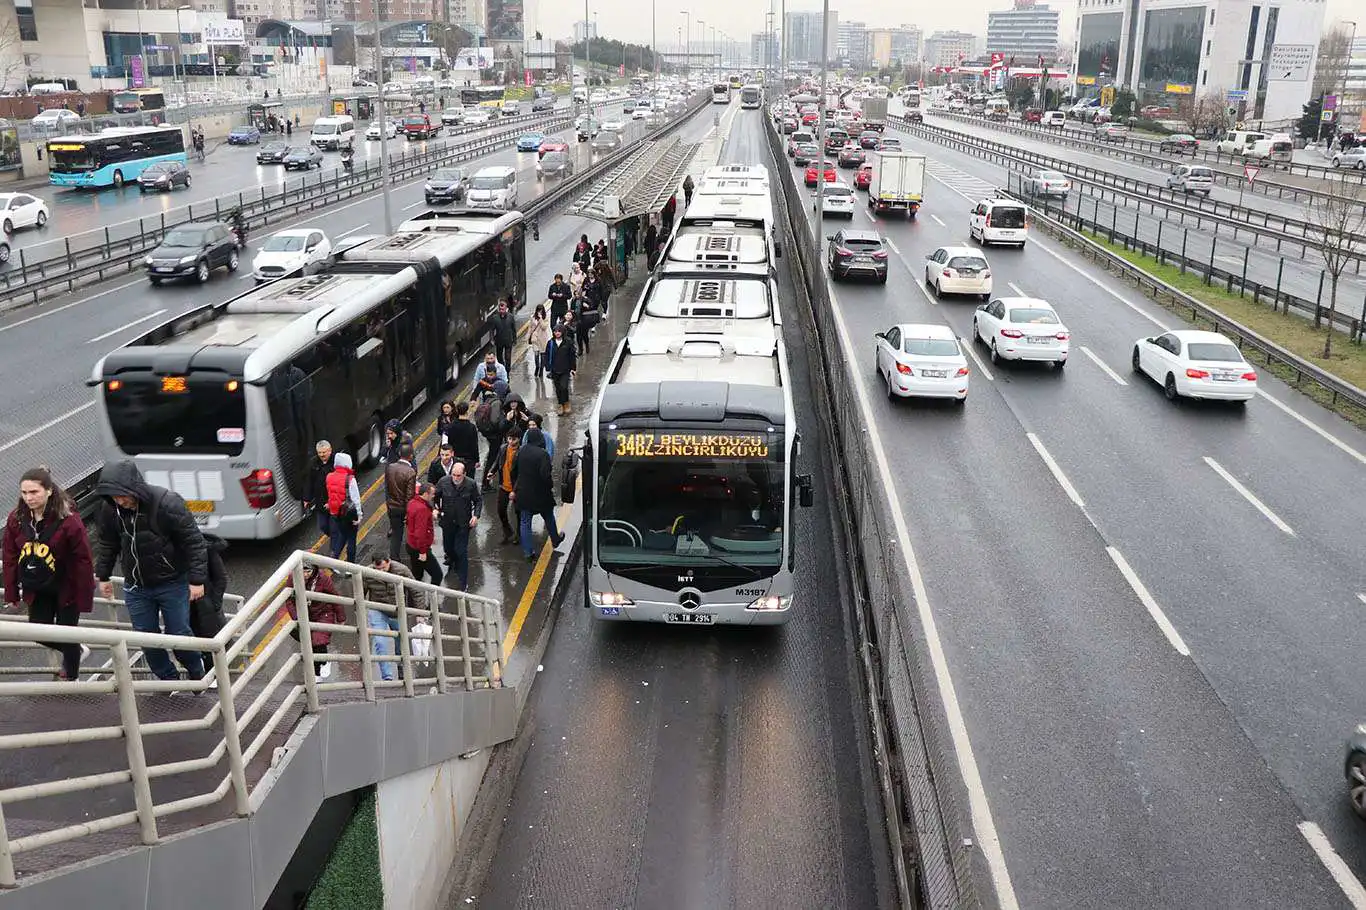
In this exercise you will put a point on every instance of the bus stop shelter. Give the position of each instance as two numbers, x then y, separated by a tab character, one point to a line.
639	185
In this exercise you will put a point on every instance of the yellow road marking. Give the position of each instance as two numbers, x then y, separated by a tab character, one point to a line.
533	584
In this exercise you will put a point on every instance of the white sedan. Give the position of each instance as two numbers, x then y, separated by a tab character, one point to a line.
958	270
614	126
477	116
1194	364
390	130
922	361
21	210
296	251
1022	328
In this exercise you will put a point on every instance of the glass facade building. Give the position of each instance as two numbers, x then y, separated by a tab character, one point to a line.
1098	47
1172	41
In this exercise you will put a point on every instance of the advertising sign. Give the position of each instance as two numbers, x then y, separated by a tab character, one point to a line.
691	445
506	20
137	71
223	31
1290	62
1180	88
528	78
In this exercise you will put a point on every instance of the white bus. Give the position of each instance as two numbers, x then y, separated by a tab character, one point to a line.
720	93
225	403
751	97
730	221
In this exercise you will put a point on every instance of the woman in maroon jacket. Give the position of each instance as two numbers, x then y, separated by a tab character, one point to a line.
318	582
47	561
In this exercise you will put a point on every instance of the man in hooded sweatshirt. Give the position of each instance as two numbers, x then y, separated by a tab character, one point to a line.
394	439
533	491
164	558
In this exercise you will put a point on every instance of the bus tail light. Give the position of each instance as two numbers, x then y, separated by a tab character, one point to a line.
771	604
259	486
610	599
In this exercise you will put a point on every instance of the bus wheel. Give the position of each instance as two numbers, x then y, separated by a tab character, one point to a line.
118	178
376	437
457	359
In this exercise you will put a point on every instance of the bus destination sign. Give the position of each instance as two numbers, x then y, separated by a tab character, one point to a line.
691	445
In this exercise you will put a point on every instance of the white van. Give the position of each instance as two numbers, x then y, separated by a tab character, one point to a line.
333	132
1276	147
999	221
1237	142
47	88
493	188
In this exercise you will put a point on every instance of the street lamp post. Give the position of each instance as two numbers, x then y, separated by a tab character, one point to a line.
588	60
820	121
383	123
687	41
180	53
702	40
1351	43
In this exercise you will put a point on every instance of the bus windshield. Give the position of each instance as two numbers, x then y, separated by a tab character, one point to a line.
182	415
690	498
71	159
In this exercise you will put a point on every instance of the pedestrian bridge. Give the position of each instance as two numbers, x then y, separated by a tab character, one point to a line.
127	790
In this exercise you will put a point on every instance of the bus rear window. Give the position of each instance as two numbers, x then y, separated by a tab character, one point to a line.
181	415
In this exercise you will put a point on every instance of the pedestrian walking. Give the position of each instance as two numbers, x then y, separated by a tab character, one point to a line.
651	245
444	421
562	361
460	505
400	481
538	335
395	437
421	527
343	508
464	438
559	290
589	317
537	422
289	127
381	591
48	565
151	533
488	420
206	613
315	494
577	276
442	464
515	413
583	251
318	581
500	475
503	325
533	491
666	217
688	187
487	376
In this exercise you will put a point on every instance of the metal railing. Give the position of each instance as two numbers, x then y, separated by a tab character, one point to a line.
262	680
172	113
919	749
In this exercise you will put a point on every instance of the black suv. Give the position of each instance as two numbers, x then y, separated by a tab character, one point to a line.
856	253
447	184
193	250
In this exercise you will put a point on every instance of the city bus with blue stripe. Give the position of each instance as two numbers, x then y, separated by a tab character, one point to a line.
113	156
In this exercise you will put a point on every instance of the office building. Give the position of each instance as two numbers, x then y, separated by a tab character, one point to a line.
802	36
583	27
1026	31
907	44
1168	51
947	48
852	44
763	49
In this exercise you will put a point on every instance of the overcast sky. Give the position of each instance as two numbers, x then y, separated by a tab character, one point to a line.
629	20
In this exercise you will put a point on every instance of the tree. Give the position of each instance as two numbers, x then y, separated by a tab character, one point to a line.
1336	219
1335	54
1204	113
1123	106
13	71
1308	124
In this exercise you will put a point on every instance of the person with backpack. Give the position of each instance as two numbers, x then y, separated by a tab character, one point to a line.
47	562
165	560
533	491
206	613
488	420
318	581
343	507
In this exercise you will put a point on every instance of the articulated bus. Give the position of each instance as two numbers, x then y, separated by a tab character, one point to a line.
720	93
224	404
113	156
730	223
751	97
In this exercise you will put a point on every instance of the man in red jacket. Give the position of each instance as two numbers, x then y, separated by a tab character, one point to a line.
421	534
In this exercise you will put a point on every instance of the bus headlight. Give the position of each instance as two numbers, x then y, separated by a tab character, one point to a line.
610	599
771	604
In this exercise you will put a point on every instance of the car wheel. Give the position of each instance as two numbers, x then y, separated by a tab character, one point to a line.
882	279
1169	387
7	226
1136	361
4	252
1059	364
928	282
939	290
1356	782
42	219
232	261
187	181
201	271
995	358
891	394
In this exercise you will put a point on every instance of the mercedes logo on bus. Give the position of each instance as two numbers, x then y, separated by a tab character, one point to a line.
690	600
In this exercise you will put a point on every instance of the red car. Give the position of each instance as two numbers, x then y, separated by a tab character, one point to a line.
864	178
810	117
811	171
1033	115
552	145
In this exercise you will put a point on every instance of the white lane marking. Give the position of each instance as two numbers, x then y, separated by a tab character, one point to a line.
1173	637
1249	496
937	221
1103	365
67	306
47	426
1016	288
1342	874
1056	470
127	325
982	823
352	231
1362	598
414	205
1313	426
972	352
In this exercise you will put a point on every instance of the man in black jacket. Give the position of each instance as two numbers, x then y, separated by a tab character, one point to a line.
164	558
504	327
315	495
533	491
559	293
459	504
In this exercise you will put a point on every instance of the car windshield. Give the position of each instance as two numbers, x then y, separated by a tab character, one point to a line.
967	262
324	129
554	159
487	183
1032	316
300	151
448	174
1052	175
275	147
284	243
1007	217
930	347
156	170
185	237
862	244
243	129
415	120
1213	350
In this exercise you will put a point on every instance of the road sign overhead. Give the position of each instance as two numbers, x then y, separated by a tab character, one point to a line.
1290	62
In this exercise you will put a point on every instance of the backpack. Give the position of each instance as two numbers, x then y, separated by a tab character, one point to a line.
488	417
37	566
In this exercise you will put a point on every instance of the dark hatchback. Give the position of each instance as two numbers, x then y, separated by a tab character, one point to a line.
851	156
193	251
447	184
244	135
869	139
303	158
272	153
555	164
857	254
804	153
164	176
835	140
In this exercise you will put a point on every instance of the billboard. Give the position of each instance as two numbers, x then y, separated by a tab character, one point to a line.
506	20
223	31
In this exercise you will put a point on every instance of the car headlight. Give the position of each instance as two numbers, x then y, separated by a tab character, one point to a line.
1361	729
147	261
186	260
610	599
771	604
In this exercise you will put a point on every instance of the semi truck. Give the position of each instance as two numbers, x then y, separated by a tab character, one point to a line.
898	183
874	113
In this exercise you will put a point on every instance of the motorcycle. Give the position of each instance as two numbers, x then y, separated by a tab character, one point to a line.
346	161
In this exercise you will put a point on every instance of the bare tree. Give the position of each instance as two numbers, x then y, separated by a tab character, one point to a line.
1337	221
13	71
1335	54
1200	113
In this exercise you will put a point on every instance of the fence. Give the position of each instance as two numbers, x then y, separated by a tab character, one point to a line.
262	680
920	751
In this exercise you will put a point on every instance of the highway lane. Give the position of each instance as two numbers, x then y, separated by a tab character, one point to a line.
227	170
677	768
48	417
1048	642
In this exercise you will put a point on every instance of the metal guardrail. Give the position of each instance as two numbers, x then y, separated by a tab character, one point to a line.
919	749
172	113
275	681
1315	309
1148	151
94	255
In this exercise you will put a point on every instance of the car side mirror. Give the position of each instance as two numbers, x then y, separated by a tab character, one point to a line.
879	334
829	236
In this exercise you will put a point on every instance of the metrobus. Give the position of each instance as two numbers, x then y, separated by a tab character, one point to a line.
730	224
690	462
113	156
225	403
482	96
720	93
751	96
133	100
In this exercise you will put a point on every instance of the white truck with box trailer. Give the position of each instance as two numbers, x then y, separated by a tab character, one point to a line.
898	183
